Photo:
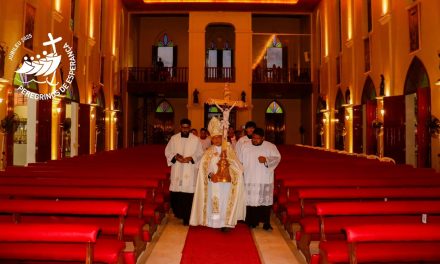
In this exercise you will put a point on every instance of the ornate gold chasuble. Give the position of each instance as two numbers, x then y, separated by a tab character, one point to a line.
206	202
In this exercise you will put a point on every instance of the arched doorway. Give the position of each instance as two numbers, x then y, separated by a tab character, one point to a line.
319	123
275	125
418	92
69	120
21	141
340	121
163	127
100	121
364	135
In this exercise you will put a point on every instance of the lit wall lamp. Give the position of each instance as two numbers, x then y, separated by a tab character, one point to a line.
58	109
382	112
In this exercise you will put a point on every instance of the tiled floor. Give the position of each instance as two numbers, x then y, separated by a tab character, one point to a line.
274	246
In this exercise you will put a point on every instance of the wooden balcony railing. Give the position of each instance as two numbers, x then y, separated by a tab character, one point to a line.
219	74
153	75
281	75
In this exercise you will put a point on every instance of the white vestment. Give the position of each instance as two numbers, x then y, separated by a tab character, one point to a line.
258	177
219	204
183	175
240	143
206	143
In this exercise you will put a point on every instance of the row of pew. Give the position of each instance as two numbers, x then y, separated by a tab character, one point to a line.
101	208
359	208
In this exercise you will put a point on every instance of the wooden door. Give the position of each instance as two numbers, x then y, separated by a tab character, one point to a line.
163	128
394	128
371	133
423	137
100	129
357	129
84	129
275	128
340	129
44	130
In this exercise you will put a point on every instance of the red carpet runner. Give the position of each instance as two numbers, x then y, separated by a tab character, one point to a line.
210	246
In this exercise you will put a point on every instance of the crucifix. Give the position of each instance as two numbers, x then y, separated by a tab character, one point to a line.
225	105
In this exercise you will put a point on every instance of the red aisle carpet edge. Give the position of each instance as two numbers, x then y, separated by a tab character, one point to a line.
206	245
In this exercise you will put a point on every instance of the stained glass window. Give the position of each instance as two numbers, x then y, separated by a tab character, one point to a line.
25	80
213	109
165	41
274	108
275	43
164	107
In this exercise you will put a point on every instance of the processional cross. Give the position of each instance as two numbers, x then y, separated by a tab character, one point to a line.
225	105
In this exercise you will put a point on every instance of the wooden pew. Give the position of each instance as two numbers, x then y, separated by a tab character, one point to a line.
111	221
332	217
309	196
415	243
57	242
135	196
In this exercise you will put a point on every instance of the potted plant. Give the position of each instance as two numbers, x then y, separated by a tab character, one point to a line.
434	127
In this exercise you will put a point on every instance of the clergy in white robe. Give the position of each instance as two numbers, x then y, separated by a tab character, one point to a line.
218	204
205	138
259	159
249	129
183	153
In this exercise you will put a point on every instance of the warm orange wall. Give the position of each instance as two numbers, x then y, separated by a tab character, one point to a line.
389	51
243	62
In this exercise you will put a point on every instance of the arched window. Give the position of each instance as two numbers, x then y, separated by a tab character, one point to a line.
163	127
275	125
164	107
274	108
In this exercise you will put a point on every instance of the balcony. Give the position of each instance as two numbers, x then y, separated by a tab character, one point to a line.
148	81
219	74
288	83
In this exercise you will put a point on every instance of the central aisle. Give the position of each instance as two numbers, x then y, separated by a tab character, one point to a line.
210	245
168	244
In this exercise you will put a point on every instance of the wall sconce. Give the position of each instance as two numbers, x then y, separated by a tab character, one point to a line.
92	116
58	109
382	112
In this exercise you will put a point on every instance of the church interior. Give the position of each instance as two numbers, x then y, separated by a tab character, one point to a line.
348	90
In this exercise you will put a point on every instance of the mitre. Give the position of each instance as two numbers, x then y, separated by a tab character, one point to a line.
215	127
